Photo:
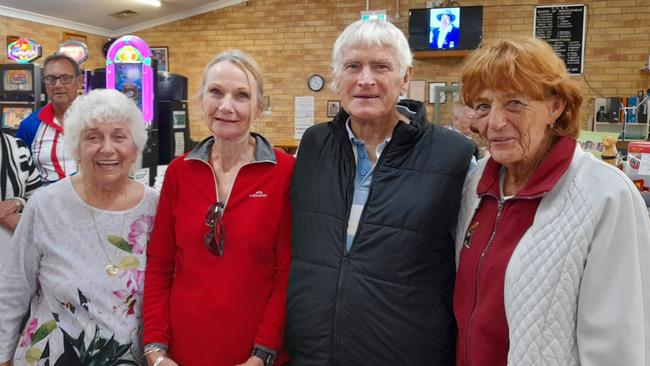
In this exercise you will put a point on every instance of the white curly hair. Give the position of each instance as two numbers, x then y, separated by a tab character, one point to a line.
102	106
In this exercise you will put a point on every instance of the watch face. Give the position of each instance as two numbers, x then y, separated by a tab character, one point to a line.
316	82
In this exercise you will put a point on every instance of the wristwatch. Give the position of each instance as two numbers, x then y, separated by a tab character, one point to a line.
267	356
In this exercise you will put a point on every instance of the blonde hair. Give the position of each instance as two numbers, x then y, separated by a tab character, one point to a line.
524	65
247	64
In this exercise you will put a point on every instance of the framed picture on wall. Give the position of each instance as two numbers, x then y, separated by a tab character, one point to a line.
333	107
162	55
432	93
455	96
67	36
11	39
74	36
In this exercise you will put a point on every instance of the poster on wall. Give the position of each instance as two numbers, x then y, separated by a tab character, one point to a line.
442	96
162	55
563	27
304	115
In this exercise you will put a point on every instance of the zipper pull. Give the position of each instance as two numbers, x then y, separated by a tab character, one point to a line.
467	242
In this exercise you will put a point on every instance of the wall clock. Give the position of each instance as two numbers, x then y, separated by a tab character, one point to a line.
316	82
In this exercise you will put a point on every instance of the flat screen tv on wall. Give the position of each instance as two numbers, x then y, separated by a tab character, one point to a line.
445	29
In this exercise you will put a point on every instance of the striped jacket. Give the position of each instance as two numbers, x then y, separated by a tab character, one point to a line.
18	173
45	140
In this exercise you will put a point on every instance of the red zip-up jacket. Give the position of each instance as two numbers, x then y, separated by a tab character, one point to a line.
212	310
489	242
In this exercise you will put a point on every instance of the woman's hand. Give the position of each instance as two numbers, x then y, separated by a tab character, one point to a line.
9	222
151	359
168	362
253	361
8	207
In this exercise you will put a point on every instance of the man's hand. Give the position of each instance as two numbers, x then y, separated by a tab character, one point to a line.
252	361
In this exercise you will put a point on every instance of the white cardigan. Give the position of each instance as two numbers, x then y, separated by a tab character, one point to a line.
577	287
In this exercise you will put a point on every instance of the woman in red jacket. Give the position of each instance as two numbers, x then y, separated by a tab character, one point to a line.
220	251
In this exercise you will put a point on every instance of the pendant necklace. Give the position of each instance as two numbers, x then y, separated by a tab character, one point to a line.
111	269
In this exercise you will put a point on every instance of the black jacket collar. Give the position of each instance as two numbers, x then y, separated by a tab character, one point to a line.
404	134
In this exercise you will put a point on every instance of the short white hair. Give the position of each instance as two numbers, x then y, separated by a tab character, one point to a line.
371	33
102	106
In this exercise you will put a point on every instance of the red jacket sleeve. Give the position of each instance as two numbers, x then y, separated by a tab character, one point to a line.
271	330
160	267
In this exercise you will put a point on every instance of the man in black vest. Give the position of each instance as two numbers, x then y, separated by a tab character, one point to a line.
375	196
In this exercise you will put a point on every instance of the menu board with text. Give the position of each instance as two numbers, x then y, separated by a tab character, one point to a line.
563	27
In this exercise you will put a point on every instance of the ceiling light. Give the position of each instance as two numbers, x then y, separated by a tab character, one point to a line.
124	14
150	2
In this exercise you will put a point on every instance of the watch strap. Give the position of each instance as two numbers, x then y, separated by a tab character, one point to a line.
267	355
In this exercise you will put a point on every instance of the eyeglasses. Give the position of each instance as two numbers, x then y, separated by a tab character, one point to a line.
51	79
215	238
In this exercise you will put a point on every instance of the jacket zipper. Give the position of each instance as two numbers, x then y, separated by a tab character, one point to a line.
337	309
345	260
370	190
489	244
214	179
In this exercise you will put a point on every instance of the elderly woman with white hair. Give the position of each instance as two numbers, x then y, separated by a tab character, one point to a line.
78	254
375	196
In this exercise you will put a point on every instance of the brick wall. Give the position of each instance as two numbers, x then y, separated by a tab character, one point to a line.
292	39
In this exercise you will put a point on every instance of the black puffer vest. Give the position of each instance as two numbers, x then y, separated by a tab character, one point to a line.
388	301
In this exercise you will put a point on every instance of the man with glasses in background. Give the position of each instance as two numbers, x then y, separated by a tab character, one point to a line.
42	131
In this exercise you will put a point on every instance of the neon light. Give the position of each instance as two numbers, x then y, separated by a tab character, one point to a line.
128	69
76	50
23	50
128	54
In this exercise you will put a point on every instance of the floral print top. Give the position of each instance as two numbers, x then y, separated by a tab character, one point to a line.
81	313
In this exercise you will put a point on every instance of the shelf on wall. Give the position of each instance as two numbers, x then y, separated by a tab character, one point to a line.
619	124
637	130
421	55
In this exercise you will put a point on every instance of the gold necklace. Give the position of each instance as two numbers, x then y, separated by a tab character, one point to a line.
111	269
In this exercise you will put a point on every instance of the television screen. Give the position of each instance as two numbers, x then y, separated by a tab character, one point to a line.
17	80
128	80
443	29
13	115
